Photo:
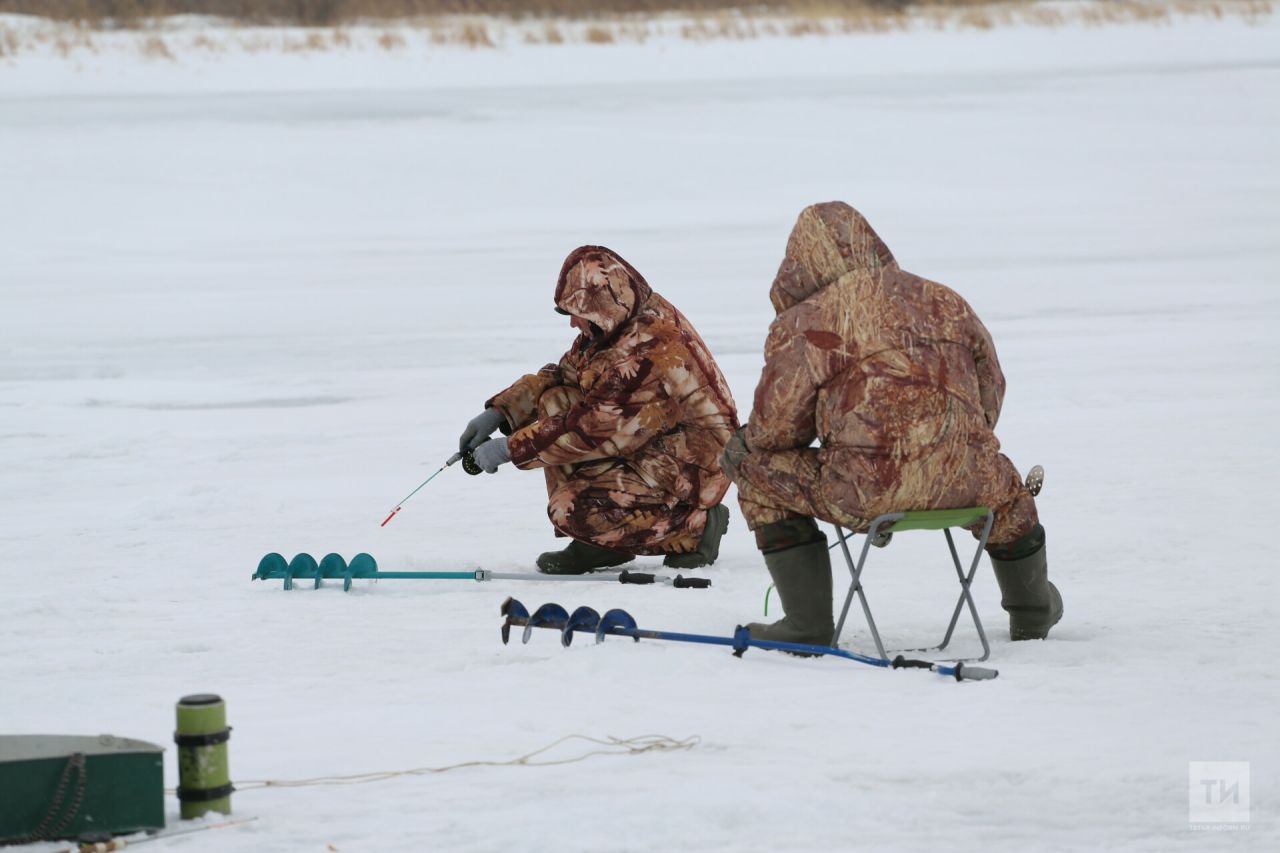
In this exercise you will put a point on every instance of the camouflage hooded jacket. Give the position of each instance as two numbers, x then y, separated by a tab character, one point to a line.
895	374
646	392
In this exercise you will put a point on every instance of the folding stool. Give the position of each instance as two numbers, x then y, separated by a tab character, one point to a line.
934	519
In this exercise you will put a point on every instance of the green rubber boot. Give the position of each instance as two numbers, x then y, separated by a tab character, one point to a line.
795	552
580	558
708	546
1033	603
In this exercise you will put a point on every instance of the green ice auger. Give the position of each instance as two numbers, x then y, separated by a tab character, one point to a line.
362	566
204	775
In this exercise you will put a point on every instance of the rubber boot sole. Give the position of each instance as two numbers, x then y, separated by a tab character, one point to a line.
562	563
1031	629
782	632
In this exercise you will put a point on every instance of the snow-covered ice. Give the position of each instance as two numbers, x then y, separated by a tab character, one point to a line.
247	303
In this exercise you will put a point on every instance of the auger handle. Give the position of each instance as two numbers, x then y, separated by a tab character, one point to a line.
964	672
681	582
961	671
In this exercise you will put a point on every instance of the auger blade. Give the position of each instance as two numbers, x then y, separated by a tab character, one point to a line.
582	619
271	566
612	620
332	566
516	615
301	566
549	615
363	566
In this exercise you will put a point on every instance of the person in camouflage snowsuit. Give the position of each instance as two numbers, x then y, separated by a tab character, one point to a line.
628	427
897	380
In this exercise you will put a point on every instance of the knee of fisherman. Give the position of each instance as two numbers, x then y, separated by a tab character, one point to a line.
896	380
627	427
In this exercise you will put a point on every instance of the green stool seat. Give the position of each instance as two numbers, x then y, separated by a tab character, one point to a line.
938	519
932	519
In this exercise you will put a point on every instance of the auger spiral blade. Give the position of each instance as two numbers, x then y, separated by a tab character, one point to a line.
582	619
301	566
549	615
332	566
612	620
516	614
271	566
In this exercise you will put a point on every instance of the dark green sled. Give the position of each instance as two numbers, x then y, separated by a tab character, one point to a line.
66	786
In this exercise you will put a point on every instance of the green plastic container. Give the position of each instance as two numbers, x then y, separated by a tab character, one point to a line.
109	786
204	774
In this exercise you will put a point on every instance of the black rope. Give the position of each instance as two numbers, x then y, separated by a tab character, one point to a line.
82	783
47	829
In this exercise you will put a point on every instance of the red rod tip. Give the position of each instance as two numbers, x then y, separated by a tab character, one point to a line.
389	517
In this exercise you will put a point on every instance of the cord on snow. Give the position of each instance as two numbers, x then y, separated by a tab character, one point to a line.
608	745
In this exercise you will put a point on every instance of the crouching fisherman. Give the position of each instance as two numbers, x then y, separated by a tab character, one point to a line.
628	427
897	379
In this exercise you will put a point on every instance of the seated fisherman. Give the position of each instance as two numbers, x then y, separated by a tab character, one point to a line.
898	380
628	427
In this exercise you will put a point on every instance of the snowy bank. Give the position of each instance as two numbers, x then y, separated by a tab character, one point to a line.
202	54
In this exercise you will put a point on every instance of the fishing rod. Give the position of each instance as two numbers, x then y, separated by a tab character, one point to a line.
450	461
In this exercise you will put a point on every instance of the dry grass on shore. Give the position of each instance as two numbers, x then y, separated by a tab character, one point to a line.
291	26
337	12
132	14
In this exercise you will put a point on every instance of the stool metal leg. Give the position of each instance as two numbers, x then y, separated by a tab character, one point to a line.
966	596
856	586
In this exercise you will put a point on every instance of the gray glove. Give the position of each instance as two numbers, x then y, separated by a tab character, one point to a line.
479	428
492	454
734	452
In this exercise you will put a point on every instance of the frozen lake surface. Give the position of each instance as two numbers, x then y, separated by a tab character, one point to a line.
245	305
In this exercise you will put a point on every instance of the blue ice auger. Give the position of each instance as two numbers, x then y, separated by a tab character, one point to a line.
362	566
620	623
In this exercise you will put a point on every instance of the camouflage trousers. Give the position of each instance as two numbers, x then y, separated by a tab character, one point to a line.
607	503
850	489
